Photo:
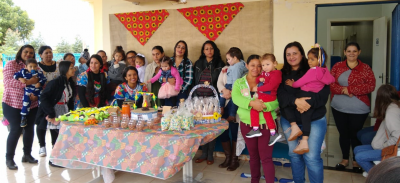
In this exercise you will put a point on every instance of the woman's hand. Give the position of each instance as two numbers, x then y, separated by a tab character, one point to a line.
302	104
33	97
346	92
226	93
257	105
33	80
171	81
289	82
52	120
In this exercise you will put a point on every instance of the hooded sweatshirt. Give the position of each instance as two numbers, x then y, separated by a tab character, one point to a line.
115	71
142	69
314	80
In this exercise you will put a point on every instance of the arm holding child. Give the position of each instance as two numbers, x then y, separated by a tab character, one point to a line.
179	80
156	77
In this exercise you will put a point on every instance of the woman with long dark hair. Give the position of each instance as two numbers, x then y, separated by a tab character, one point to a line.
12	105
56	99
294	67
387	108
92	91
185	68
207	69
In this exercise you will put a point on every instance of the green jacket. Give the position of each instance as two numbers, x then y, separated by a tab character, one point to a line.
241	97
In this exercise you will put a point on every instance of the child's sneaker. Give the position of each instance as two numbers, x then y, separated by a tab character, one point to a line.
24	122
254	133
296	132
274	139
302	147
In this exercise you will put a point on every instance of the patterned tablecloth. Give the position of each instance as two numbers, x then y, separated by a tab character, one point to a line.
155	153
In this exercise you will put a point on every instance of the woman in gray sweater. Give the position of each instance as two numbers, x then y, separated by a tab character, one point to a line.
387	108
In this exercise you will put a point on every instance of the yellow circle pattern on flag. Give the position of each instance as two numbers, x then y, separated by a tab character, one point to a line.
212	20
142	25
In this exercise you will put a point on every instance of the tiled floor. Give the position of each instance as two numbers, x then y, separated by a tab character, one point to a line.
43	173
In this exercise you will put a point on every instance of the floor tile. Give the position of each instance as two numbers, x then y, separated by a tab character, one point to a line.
67	174
19	178
123	177
331	176
214	167
358	178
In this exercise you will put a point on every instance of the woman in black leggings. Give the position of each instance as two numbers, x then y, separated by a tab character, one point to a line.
12	104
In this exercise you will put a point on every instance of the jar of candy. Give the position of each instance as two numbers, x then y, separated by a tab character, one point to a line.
132	124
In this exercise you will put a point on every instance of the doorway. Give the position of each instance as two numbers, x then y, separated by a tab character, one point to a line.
367	24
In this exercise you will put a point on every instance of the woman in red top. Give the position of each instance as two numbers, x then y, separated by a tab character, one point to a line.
13	93
350	104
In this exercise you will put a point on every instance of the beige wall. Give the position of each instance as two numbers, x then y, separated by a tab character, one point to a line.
250	30
292	19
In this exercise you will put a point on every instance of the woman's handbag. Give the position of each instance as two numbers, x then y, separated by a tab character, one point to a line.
390	151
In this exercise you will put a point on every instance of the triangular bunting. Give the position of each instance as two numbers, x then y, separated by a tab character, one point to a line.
143	24
212	20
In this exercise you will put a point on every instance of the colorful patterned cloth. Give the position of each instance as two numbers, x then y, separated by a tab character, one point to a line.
155	153
143	24
211	20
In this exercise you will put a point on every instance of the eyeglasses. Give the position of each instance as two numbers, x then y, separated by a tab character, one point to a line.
128	58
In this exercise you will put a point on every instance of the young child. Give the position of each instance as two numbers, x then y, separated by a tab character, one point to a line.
117	66
168	91
140	62
30	70
312	82
267	87
82	66
237	69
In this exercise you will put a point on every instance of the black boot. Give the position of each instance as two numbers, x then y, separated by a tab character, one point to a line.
227	150
29	159
24	122
53	165
235	159
211	148
11	165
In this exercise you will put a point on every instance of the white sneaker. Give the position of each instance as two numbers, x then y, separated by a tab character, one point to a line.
42	152
365	174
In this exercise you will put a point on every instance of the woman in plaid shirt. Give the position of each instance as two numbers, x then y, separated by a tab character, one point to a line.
12	105
185	68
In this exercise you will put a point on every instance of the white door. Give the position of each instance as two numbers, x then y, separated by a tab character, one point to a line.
379	57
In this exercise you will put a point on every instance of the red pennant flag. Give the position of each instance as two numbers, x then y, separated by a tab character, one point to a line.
143	24
212	20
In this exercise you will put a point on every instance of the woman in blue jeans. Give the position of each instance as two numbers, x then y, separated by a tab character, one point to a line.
294	67
387	108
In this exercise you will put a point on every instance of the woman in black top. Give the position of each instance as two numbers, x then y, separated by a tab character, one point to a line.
295	66
92	91
50	71
56	99
207	68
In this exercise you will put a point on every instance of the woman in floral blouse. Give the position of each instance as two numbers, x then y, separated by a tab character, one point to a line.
128	89
92	85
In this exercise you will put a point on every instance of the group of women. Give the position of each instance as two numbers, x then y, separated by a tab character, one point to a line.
354	80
